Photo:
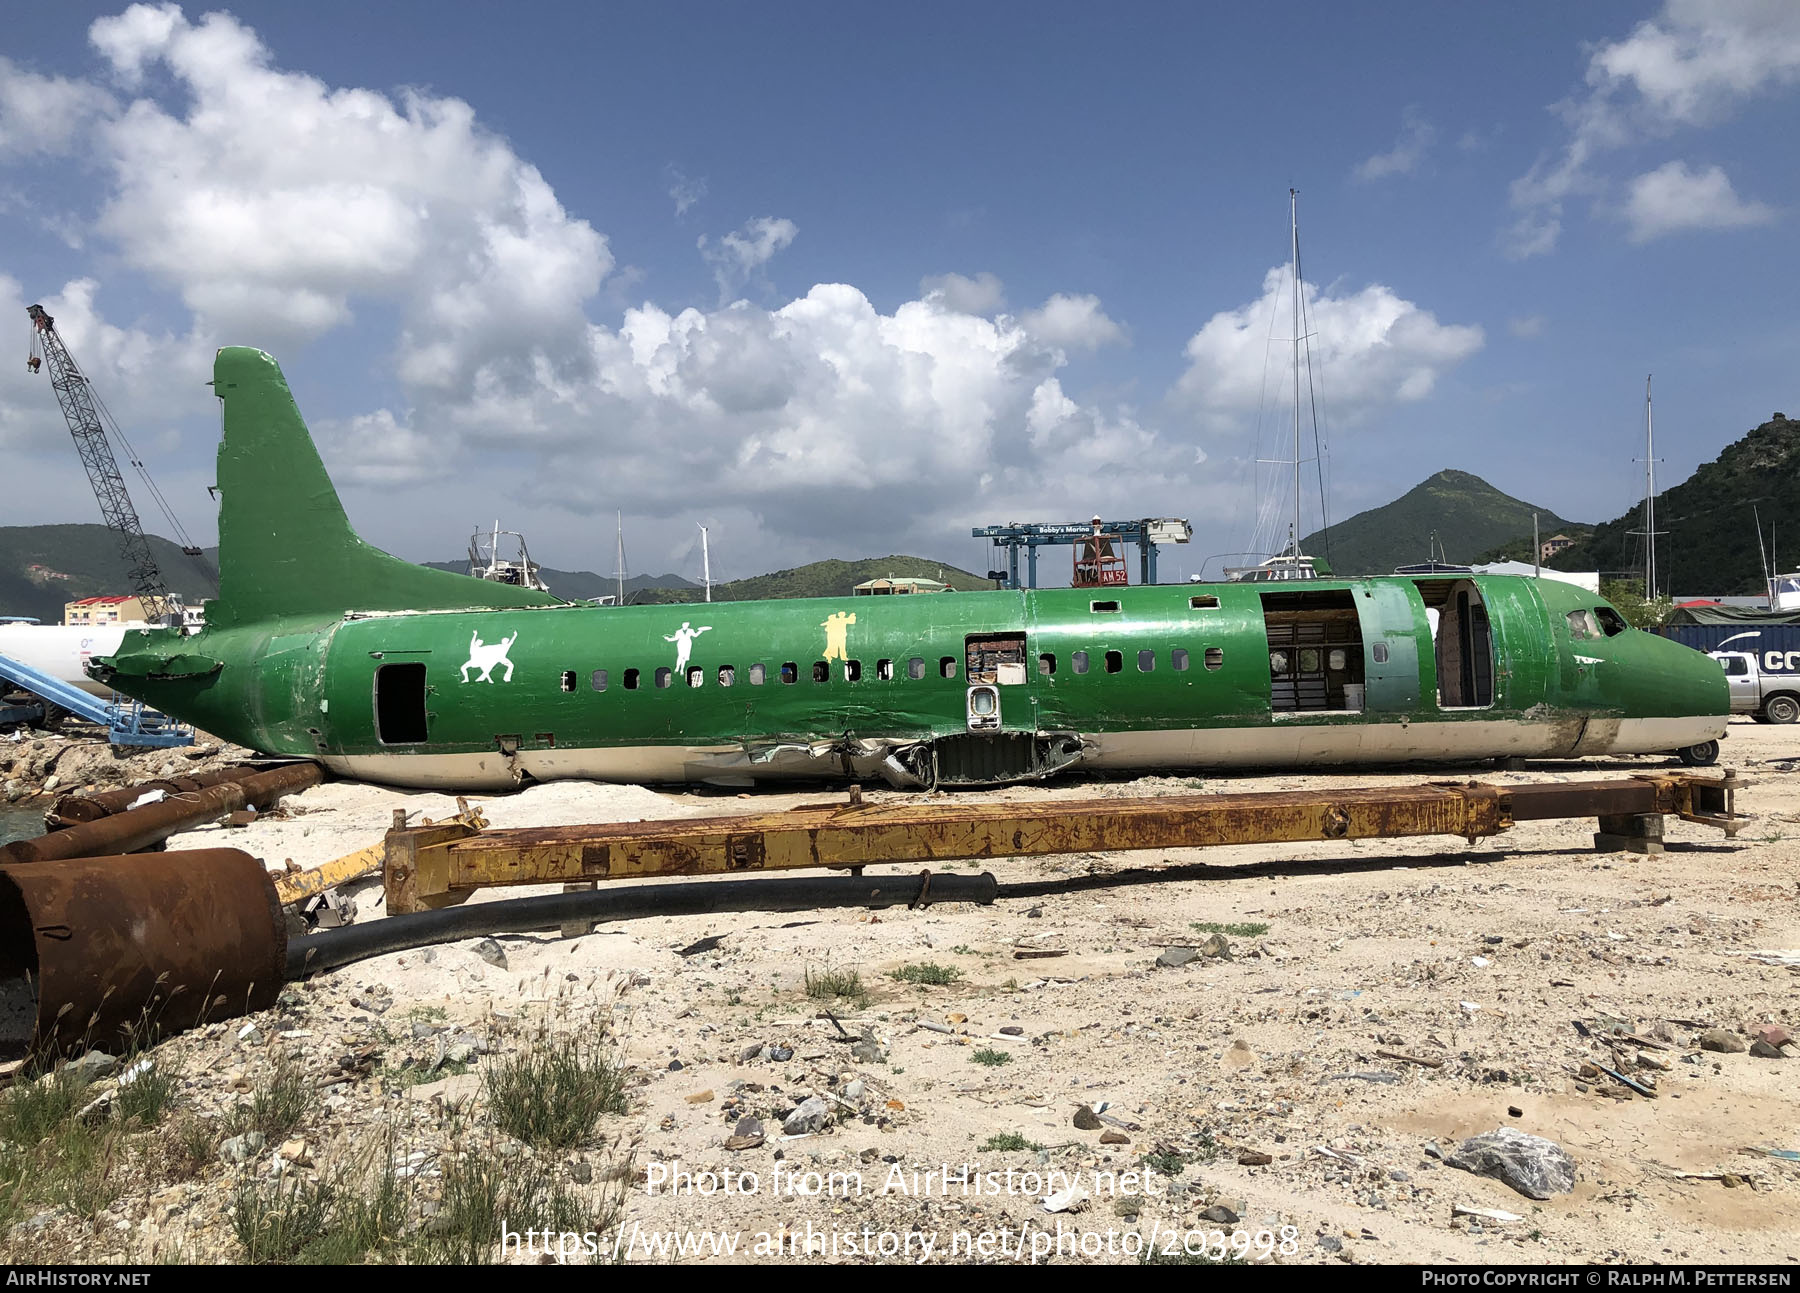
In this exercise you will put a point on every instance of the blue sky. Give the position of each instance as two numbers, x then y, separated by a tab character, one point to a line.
846	280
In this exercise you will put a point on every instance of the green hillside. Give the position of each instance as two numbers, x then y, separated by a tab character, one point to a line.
79	561
1711	543
1468	515
825	579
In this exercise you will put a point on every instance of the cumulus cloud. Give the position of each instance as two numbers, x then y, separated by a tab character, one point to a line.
1527	326
738	258
1692	66
1373	349
683	191
45	115
1674	199
1074	323
1416	136
983	294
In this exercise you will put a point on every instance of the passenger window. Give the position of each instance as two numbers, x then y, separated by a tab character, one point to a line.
853	671
727	675
1611	621
1146	661
790	672
1178	660
821	671
1378	653
1205	603
1336	659
1115	661
1215	659
597	680
915	668
695	675
1309	660
1278	662
1046	664
1078	661
756	675
884	670
947	666
664	676
568	680
1583	626
631	679
1104	608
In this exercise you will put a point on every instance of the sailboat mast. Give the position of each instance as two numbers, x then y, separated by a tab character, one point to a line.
705	564
1294	227
1649	496
619	570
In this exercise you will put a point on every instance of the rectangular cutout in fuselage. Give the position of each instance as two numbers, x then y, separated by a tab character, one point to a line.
400	704
995	657
1315	652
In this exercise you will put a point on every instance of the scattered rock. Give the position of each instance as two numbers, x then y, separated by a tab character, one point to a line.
581	1172
1173	958
241	1149
93	1067
1513	1111
750	1052
1762	1050
748	1134
781	1054
1013	1030
1128	1206
1216	947
868	1051
1238	1055
1722	1040
1110	1137
814	1114
1535	1167
1331	1243
491	952
701	1097
1219	1215
1086	1119
294	1151
1254	1158
1774	1034
854	1091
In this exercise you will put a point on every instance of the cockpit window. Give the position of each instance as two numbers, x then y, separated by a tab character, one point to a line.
1610	620
1583	625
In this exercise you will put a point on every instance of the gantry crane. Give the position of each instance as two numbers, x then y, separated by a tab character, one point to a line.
87	420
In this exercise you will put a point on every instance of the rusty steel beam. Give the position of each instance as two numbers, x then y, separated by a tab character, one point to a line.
426	867
97	951
128	831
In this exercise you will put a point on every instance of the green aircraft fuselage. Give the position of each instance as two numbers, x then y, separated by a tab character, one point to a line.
323	647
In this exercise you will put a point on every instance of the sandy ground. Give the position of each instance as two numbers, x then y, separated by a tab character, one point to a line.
1481	959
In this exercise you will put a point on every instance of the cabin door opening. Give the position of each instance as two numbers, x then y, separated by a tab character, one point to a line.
400	704
1464	644
1315	652
993	660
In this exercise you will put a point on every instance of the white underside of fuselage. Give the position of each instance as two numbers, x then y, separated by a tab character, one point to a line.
1279	745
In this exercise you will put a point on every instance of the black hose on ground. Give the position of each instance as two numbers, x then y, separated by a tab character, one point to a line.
331	948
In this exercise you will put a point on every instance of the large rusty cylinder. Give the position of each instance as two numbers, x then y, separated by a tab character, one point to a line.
140	827
72	809
107	951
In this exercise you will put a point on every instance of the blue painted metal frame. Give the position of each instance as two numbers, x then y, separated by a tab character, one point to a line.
127	721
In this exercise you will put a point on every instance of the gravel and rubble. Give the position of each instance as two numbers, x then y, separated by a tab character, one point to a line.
1352	1014
36	767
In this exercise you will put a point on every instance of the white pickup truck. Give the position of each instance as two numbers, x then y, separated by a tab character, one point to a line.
1770	696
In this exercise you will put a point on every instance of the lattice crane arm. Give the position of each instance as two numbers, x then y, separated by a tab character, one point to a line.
83	416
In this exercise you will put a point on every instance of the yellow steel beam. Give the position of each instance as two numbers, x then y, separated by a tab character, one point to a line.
429	866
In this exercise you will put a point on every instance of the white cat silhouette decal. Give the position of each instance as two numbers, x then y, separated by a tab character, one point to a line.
485	656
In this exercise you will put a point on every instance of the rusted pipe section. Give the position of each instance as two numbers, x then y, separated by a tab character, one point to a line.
93	950
73	809
129	831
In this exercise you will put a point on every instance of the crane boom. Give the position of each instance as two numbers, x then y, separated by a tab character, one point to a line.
83	416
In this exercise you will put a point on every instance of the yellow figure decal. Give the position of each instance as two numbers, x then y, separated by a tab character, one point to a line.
837	627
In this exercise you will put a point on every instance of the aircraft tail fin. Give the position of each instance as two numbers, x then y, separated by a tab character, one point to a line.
285	545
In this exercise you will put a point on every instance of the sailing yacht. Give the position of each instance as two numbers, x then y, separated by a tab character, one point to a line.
1290	562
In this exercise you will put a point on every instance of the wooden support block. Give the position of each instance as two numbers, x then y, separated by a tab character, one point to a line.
1630	833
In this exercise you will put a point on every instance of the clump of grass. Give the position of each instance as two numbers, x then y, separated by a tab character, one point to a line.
278	1106
149	1093
1007	1142
483	1192
50	1156
187	1146
1237	929
988	1057
552	1093
839	985
928	973
275	1223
